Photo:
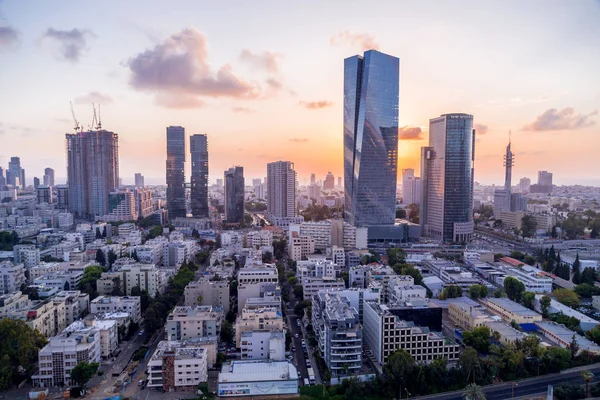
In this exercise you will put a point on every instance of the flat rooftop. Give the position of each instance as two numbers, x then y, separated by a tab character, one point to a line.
513	307
257	371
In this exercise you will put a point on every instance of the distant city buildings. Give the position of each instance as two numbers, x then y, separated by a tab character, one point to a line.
234	194
524	185
199	187
92	171
15	175
281	193
48	177
371	91
447	174
411	187
176	172
329	182
544	183
139	180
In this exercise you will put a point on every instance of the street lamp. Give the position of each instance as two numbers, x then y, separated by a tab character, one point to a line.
407	393
513	389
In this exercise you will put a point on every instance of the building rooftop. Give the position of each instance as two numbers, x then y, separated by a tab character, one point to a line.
512	307
566	335
569	311
257	371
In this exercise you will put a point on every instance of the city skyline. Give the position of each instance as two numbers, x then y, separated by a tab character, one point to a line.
536	80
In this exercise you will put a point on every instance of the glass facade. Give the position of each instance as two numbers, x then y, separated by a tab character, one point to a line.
447	170
176	171
199	182
371	90
234	194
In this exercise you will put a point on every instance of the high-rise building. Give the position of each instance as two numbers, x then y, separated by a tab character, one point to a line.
281	189
44	194
2	178
92	171
234	194
139	180
329	182
524	185
371	87
339	181
256	182
447	177
219	182
36	181
15	175
313	179
176	172
544	178
199	192
411	187
49	177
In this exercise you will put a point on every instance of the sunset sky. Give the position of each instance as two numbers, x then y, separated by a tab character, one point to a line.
264	80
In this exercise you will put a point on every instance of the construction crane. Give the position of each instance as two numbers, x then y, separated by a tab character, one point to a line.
77	127
99	126
94	119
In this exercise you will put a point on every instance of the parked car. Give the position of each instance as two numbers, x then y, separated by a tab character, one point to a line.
296	336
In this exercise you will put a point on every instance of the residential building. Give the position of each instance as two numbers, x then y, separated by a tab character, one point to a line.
48	177
62	353
175	254
263	345
371	93
107	329
176	172
60	280
281	192
178	366
329	182
524	185
146	277
139	180
268	318
112	304
338	331
383	274
92	171
257	378
316	268
62	194
356	297
186	322
205	292
48	317
511	311
447	177
144	204
43	194
9	303
313	286
199	186
234	194
76	304
411	187
385	333
121	206
259	239
12	276
301	246
26	254
252	281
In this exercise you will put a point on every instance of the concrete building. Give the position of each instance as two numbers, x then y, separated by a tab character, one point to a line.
263	345
382	274
268	318
511	311
252	280
562	336
76	304
447	176
205	292
411	187
257	378
48	178
234	194
111	304
144	204
139	180
175	167
199	182
107	329
48	317
333	232
338	331
12	276
385	332
9	303
26	254
466	316
121	207
259	239
585	323
44	194
178	366
62	353
175	254
301	246
281	192
186	322
146	277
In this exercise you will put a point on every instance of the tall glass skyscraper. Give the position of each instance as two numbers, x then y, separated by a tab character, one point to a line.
199	192
176	172
234	194
447	178
371	87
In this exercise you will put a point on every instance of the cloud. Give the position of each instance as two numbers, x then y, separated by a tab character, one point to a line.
179	66
242	110
362	41
410	133
558	120
9	37
481	129
299	140
71	45
179	101
274	83
94	97
266	60
315	105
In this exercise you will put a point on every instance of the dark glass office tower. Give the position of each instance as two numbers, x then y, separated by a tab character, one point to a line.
234	194
199	192
371	86
447	177
176	172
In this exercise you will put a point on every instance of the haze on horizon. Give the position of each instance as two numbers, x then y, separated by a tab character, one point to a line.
264	81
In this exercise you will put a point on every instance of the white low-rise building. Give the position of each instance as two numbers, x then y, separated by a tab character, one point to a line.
263	345
48	317
257	378
76	304
177	366
312	286
107	329
9	303
186	322
110	304
12	276
205	292
268	318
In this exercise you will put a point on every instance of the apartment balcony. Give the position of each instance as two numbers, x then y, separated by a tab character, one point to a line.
334	352
345	345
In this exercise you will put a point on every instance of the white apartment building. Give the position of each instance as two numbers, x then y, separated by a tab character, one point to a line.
107	330
121	207
301	246
48	317
111	304
263	345
26	254
177	366
402	293
534	282
258	239
268	318
338	255
76	303
205	292
63	353
65	221
313	286
250	280
318	268
9	303
146	276
61	280
12	276
186	322
382	274
149	253
175	254
385	333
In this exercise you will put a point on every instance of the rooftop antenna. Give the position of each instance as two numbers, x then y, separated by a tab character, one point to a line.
77	127
99	126
509	133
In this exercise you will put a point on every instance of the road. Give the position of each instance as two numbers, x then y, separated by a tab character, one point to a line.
526	387
299	354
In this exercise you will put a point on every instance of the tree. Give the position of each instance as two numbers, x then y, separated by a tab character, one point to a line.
469	362
567	297
226	331
117	287
298	291
87	283
100	257
395	256
112	257
497	293
514	288
478	338
398	369
135	256
413	213
594	334
587	377
478	291
573	347
473	392
83	372
544	304
577	270
528	226
586	290
451	292
292	280
527	299
588	276
267	257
